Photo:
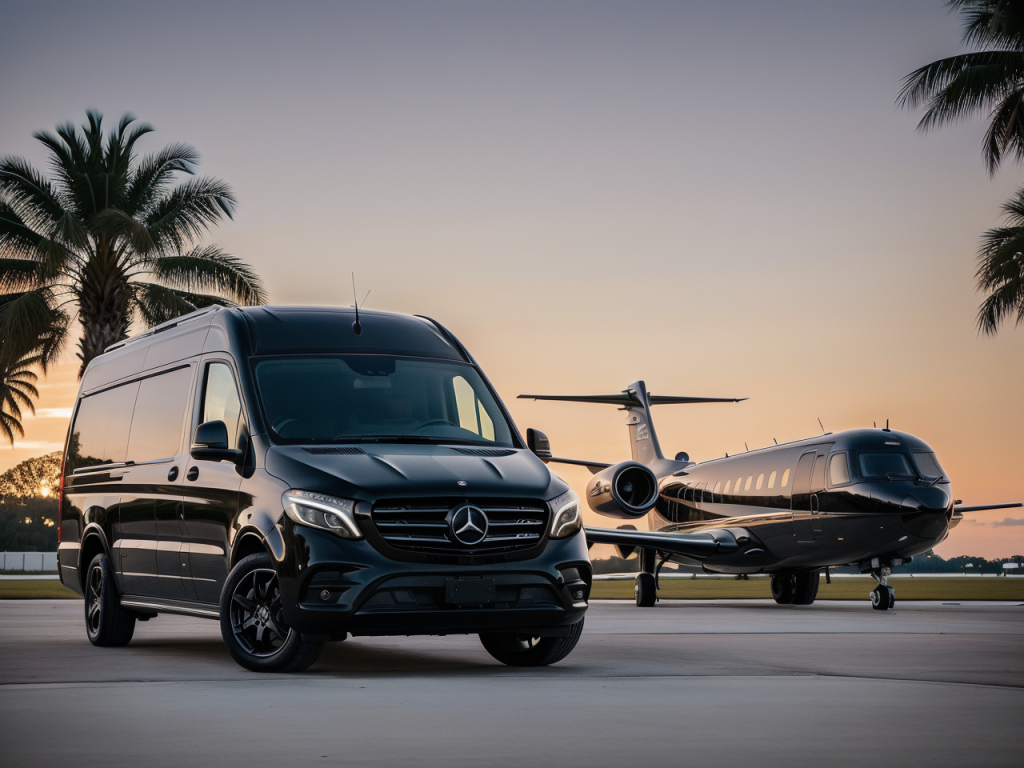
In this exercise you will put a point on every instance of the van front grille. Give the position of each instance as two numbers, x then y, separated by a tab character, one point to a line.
422	525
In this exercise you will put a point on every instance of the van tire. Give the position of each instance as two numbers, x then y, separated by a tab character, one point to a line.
107	624
521	651
251	623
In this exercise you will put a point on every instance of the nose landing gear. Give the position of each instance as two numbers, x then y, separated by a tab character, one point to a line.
883	597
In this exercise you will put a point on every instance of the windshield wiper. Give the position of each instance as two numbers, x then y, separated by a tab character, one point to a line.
899	476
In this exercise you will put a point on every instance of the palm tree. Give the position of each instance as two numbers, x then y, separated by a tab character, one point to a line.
111	236
987	81
990	81
1001	269
17	388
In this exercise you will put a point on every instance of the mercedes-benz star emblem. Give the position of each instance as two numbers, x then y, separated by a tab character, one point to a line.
467	524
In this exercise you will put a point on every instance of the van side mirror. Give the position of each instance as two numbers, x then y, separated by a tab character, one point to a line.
211	443
538	442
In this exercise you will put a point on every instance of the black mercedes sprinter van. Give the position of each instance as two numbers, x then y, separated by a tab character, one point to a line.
300	476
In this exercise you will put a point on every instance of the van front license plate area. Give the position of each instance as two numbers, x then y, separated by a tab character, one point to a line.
469	591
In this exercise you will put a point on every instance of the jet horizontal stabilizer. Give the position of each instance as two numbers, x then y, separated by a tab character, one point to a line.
695	545
626	398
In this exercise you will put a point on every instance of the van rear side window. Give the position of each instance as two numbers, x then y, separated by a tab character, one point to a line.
100	433
159	414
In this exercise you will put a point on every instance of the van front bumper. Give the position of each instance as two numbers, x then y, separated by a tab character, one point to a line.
339	586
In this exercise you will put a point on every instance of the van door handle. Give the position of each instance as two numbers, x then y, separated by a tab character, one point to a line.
193	473
172	474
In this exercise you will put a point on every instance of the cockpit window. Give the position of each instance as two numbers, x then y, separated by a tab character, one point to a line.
838	469
885	464
929	465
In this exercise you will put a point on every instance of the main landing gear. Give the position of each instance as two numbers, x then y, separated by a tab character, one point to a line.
883	597
645	588
795	588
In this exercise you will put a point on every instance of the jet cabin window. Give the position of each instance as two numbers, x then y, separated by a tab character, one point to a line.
221	401
785	479
771	479
838	470
353	398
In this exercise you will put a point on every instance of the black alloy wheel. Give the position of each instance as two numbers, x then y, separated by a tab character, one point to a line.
524	651
645	590
106	623
782	588
805	587
252	621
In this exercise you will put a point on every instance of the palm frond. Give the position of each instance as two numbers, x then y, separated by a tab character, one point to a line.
153	174
1000	270
158	303
183	214
17	388
991	22
958	85
27	319
1006	131
18	274
208	268
30	194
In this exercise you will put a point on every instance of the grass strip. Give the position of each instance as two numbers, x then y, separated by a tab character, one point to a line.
840	589
35	589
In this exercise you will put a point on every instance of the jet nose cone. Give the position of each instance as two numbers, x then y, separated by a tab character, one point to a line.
927	500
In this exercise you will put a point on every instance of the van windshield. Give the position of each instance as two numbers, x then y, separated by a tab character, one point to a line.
374	398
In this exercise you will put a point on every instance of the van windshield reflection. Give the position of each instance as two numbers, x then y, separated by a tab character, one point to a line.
375	398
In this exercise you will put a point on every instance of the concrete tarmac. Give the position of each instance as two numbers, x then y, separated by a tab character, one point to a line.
694	683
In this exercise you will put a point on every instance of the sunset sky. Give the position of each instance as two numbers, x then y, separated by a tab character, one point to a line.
720	199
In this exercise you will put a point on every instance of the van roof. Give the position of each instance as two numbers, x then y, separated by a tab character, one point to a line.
272	330
276	330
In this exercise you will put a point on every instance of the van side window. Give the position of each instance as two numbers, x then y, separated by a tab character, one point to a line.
221	401
838	469
159	415
100	433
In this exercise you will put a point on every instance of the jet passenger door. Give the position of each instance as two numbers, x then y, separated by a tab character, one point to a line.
802	498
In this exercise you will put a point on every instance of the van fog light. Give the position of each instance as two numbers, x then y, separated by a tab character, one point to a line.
325	595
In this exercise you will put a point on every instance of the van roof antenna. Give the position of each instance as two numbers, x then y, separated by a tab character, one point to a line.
821	425
357	328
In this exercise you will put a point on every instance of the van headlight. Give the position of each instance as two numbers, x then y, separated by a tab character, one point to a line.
565	515
325	512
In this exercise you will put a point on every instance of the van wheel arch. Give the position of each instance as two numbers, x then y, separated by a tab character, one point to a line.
247	544
92	545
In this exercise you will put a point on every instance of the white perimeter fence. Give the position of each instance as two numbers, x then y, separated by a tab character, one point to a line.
28	561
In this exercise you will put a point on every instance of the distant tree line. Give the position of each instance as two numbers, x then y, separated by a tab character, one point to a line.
927	563
28	525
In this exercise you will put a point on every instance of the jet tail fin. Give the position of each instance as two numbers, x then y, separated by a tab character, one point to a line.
637	402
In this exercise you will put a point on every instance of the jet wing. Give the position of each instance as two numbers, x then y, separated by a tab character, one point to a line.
696	545
983	507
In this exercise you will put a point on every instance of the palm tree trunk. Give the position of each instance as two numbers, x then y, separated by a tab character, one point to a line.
104	302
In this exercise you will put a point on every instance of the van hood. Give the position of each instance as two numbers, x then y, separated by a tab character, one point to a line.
369	472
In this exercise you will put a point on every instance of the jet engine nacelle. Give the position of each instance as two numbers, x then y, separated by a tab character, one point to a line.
627	490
